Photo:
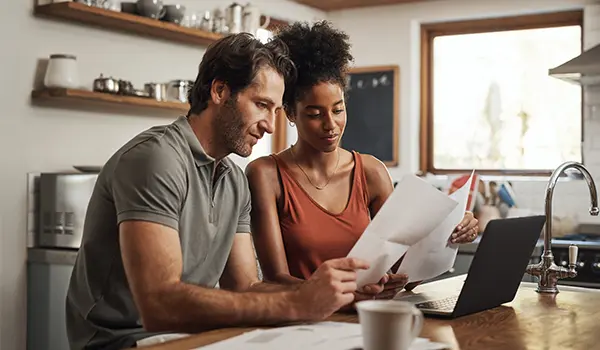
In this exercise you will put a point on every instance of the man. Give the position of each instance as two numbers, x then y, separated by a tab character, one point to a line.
169	218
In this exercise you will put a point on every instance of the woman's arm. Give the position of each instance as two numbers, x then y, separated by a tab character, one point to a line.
265	192
379	182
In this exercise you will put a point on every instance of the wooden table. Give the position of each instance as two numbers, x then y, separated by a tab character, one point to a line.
567	320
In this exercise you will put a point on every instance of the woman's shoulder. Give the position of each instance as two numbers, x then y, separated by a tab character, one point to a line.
373	167
378	178
264	167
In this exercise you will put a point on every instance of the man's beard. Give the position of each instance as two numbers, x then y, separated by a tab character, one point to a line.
230	128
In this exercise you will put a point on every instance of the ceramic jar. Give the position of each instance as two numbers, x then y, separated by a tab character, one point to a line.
62	72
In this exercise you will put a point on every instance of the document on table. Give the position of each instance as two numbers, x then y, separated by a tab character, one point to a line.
317	336
413	210
434	255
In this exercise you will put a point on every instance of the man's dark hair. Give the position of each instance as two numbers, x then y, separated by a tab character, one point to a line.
320	53
235	60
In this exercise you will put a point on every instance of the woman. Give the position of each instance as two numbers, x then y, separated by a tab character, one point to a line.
312	201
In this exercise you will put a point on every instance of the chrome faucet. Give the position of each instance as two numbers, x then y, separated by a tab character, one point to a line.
546	270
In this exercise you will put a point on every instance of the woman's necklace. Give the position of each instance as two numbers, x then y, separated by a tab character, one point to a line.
307	177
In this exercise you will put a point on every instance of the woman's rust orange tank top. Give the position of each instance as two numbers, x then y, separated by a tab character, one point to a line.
312	234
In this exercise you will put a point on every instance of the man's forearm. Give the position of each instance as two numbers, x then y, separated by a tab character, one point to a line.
266	286
189	308
287	279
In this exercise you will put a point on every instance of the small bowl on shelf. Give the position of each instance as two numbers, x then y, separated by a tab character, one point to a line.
174	13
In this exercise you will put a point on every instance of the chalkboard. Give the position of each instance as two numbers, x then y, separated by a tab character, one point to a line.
372	109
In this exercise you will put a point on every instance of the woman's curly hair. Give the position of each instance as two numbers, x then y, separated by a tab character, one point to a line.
320	52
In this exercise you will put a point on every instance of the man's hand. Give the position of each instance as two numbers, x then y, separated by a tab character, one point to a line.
467	230
386	288
330	287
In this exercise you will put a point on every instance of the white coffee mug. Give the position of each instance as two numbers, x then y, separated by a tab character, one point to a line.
389	324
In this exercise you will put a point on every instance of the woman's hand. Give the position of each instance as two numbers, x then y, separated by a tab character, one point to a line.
467	230
394	285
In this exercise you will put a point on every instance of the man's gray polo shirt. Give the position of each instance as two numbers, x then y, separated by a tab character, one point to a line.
161	175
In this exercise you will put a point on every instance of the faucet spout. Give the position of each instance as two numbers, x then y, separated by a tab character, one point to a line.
546	270
550	194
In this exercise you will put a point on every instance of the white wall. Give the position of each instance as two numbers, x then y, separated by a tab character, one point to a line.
390	35
35	139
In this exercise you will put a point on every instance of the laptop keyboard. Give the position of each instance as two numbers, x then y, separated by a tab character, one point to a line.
440	304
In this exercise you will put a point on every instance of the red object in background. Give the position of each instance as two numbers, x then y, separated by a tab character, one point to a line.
460	182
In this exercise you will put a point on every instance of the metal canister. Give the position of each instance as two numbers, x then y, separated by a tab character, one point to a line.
158	91
233	16
177	90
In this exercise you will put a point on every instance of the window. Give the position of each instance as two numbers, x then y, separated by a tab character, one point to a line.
264	35
487	101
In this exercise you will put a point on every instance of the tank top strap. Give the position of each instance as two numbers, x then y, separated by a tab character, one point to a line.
360	181
287	182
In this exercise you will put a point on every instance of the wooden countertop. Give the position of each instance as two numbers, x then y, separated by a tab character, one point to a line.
567	320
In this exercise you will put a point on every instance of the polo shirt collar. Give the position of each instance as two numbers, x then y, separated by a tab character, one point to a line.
200	157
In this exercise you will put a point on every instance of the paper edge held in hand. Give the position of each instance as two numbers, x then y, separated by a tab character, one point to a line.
413	210
434	255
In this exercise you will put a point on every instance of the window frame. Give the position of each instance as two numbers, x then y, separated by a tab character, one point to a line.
429	31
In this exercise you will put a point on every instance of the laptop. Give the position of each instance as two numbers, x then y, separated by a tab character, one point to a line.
494	275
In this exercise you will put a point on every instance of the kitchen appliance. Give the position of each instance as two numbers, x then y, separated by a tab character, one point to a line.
62	72
588	259
583	69
63	202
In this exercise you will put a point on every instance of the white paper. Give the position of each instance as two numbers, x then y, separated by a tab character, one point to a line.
413	210
317	336
305	336
356	343
434	255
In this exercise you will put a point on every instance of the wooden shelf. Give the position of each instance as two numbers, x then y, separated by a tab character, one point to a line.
126	22
77	96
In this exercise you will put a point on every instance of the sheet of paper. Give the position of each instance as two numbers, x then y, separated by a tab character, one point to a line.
317	336
413	210
356	343
434	255
304	336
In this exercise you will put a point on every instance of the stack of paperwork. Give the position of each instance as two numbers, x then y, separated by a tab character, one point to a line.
317	336
417	220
